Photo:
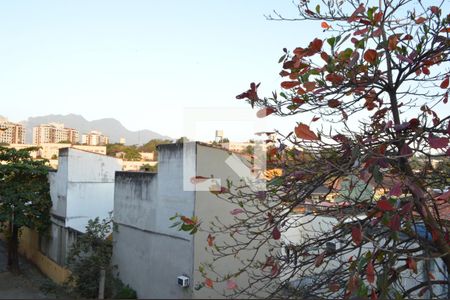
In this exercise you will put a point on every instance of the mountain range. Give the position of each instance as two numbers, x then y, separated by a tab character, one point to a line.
108	126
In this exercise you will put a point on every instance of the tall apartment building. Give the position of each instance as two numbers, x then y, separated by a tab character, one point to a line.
54	133
11	133
94	138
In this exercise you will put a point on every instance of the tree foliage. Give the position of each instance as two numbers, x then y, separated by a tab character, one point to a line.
89	254
129	152
24	197
377	81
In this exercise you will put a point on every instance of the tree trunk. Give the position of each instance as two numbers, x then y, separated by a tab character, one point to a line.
101	287
13	247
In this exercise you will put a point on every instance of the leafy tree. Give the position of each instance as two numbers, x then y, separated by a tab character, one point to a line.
151	145
149	168
24	197
182	139
89	255
130	152
248	150
378	82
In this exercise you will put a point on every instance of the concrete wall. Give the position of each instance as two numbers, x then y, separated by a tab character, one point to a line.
83	187
29	247
211	161
149	254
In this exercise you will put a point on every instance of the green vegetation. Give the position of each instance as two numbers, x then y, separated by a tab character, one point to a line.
24	197
132	152
90	254
151	145
128	152
149	168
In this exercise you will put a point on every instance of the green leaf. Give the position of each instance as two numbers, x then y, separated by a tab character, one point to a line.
370	12
362	290
360	44
318	8
331	41
174	217
282	58
175	224
186	227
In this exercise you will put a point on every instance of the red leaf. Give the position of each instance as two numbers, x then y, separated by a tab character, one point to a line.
302	131
392	42
437	142
335	78
269	262
407	37
325	25
412	265
431	276
319	259
422	291
445	196
289	84
406	208
384	205
209	283
198	179
187	221
264	112
435	10
420	20
394	223
445	99
377	32
210	240
396	190
361	31
425	71
334	103
324	56
236	211
406	151
231	284
373	295
444	83
370	272
445	30
406	59
315	119
356	235
275	270
378	16
371	56
276	234
334	287
357	11
316	45
309	86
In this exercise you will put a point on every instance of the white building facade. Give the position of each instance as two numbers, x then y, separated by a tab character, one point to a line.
11	133
54	133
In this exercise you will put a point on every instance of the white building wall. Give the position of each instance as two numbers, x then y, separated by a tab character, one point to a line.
83	186
150	255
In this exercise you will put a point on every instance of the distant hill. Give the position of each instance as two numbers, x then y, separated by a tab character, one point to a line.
108	126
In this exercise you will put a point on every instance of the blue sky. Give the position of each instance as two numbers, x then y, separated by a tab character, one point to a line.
141	62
